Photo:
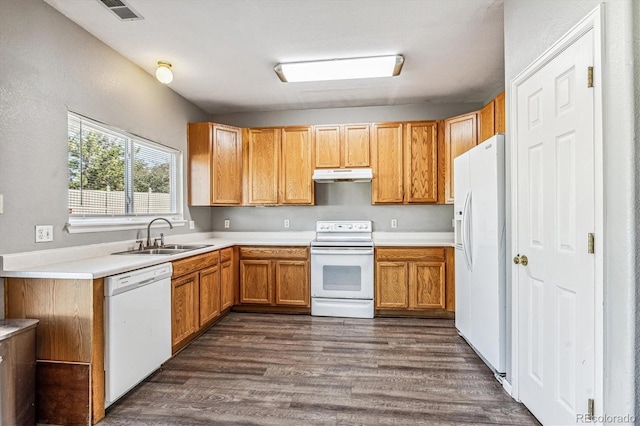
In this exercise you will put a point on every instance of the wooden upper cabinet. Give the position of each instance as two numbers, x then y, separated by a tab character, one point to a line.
214	164
356	145
342	146
421	162
296	167
460	135
486	122
328	147
261	160
500	115
387	163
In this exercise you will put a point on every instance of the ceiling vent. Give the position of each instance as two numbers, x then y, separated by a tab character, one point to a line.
122	11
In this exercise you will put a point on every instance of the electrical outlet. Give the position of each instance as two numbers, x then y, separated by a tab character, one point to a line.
394	223
192	224
286	223
227	223
44	233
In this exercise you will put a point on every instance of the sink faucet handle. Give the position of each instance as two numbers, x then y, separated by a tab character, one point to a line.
161	239
140	244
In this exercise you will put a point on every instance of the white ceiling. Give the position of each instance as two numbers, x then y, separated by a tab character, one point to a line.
223	51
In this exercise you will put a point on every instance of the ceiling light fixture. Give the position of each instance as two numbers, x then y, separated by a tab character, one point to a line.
164	73
340	69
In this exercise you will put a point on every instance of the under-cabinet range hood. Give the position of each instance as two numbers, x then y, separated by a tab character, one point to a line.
342	175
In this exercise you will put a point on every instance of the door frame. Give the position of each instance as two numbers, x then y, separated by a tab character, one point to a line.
593	21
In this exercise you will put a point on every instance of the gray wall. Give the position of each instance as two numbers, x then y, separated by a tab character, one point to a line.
340	201
336	201
531	27
49	65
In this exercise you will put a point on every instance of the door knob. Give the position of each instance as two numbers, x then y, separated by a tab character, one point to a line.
516	259
521	260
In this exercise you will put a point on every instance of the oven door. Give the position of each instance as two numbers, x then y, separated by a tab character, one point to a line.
342	272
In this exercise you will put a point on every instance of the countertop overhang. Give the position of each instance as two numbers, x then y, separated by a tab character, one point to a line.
96	261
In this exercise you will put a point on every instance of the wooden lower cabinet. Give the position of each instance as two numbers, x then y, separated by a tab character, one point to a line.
274	277
197	295
414	279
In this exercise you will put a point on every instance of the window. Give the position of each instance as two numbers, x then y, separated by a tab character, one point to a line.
114	174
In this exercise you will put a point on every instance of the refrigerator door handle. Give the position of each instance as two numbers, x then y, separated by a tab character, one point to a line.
465	231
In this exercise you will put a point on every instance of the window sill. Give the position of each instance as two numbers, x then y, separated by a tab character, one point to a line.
87	225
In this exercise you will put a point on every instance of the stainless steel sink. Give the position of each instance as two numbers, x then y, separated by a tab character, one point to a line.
167	249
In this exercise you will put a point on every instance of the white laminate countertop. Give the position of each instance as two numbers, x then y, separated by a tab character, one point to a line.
96	261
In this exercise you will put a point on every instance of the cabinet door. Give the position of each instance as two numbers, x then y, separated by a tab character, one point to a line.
184	308
426	281
227	165
296	167
459	137
486	124
392	290
227	287
261	166
421	162
292	282
327	147
356	145
209	294
500	119
386	161
256	282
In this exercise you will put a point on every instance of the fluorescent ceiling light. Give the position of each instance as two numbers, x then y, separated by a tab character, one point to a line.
340	69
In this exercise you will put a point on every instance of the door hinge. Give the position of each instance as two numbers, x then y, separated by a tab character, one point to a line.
589	76
591	409
591	245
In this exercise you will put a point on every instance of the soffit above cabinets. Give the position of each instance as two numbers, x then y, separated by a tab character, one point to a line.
223	51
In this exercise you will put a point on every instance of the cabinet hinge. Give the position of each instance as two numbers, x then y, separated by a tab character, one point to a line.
591	409
591	245
589	76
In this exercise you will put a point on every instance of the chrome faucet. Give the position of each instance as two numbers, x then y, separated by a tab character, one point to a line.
149	229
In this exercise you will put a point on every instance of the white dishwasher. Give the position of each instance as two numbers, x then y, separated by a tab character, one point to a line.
137	310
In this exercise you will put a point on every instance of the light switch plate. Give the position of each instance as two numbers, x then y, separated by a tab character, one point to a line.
44	233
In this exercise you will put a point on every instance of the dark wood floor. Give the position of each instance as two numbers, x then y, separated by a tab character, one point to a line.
302	370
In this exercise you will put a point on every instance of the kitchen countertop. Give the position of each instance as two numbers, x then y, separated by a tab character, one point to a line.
96	260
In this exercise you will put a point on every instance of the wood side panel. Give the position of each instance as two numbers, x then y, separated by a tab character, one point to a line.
64	308
62	393
460	136
292	283
274	252
209	285
226	254
227	165
227	288
500	114
327	147
486	124
427	285
296	166
391	287
184	309
262	154
97	346
421	162
194	263
256	282
387	163
450	279
199	150
356	145
442	164
410	253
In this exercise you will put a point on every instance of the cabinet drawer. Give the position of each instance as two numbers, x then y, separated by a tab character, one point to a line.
410	253
274	252
194	263
226	254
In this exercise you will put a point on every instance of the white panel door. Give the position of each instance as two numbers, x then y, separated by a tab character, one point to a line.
555	213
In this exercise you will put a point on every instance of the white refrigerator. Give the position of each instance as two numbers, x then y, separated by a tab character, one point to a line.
479	223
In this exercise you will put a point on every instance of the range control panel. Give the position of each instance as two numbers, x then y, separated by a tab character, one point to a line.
343	226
